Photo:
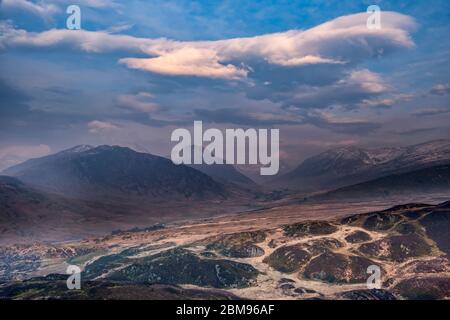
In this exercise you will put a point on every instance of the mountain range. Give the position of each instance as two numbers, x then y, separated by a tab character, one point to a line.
115	172
88	190
435	179
346	166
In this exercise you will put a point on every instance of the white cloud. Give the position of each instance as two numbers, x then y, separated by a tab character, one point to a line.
43	9
299	70
369	81
441	89
97	126
188	61
92	3
328	120
342	40
431	112
139	102
387	102
355	87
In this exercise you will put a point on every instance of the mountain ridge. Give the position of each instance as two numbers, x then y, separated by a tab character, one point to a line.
350	165
108	171
435	179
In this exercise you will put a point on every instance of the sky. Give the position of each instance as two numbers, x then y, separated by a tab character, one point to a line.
137	70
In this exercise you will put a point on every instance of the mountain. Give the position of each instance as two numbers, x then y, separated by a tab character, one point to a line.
350	165
16	199
28	214
25	212
116	172
423	181
85	191
225	173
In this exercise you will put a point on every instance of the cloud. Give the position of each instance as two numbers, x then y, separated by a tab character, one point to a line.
43	9
306	60
92	3
430	112
97	126
18	119
354	88
13	155
328	121
138	102
188	62
441	89
83	40
387	102
296	71
320	119
415	131
340	41
246	118
345	40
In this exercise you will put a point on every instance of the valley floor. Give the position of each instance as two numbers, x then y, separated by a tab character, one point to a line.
295	251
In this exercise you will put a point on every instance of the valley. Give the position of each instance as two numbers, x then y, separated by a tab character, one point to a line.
140	227
309	251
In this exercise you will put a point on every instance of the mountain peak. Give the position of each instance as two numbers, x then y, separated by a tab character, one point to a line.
78	149
108	171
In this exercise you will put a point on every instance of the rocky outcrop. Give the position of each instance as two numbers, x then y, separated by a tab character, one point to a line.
338	268
180	266
309	228
288	259
397	248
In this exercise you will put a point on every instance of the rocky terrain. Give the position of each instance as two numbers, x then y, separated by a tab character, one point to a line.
249	256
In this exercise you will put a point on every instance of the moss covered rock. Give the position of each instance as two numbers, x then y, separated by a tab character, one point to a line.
179	266
310	228
338	268
426	288
357	237
397	248
238	245
288	259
